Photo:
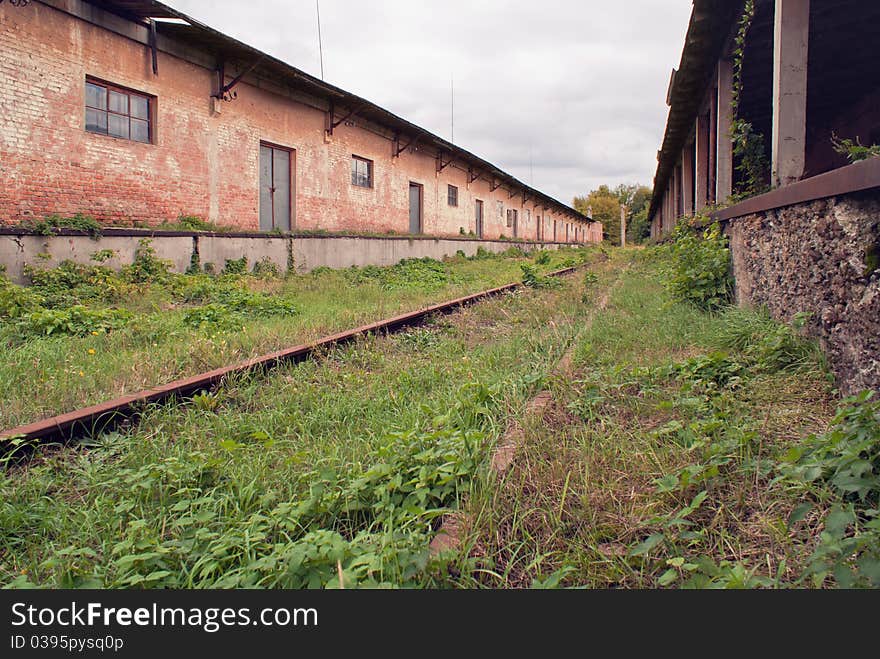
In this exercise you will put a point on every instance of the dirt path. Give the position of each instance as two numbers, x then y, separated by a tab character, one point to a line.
447	538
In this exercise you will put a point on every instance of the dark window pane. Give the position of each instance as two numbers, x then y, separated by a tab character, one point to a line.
96	121
140	131
118	102
96	96
140	107
117	126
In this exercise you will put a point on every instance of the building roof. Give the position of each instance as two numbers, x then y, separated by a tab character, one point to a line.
712	23
190	31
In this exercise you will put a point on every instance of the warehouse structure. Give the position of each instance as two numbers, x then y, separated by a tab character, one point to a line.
808	78
799	199
134	113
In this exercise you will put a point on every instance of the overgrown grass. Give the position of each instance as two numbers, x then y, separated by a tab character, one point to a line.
336	466
83	334
665	461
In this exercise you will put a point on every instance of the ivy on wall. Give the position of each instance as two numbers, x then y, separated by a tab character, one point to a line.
748	144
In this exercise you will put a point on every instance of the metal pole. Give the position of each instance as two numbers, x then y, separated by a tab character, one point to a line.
320	44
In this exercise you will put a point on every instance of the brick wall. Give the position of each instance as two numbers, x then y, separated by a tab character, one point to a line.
202	162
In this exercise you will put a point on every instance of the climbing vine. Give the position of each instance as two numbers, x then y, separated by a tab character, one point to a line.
748	144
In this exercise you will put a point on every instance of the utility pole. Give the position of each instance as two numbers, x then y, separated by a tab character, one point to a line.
320	43
452	110
622	225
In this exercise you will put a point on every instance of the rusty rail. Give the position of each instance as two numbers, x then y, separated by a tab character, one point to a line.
104	416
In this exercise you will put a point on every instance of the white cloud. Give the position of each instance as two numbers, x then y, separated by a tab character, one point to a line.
578	85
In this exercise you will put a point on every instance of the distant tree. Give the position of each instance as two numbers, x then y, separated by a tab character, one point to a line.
605	206
637	199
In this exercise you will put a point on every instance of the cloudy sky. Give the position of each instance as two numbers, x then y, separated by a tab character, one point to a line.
576	87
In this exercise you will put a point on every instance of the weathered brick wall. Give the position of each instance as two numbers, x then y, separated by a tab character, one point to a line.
822	258
202	162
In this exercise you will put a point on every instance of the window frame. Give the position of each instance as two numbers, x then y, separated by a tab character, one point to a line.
127	91
452	195
370	172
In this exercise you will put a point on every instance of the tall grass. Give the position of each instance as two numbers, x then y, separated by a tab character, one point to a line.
339	465
182	325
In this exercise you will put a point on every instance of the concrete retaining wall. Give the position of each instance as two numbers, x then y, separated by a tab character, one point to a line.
312	252
820	257
304	253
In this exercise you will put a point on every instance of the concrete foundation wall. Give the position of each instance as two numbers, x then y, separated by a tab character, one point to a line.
16	251
820	257
304	253
311	253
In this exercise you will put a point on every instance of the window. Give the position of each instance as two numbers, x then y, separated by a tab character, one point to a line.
509	217
118	112
452	195
361	172
500	208
528	216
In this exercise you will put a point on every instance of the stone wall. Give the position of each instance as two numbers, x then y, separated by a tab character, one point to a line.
819	257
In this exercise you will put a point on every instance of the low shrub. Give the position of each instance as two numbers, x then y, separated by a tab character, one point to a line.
699	271
49	226
73	283
842	468
77	321
533	279
147	267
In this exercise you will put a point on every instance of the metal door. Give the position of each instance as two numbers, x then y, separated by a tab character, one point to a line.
274	188
479	217
415	208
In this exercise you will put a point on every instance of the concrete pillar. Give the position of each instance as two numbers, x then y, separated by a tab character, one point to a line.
701	148
687	179
724	145
676	195
622	225
790	52
713	144
670	212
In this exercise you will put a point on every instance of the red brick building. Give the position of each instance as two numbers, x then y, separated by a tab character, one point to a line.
135	113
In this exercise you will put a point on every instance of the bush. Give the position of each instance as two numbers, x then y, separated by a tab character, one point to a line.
699	272
76	321
235	266
542	257
265	268
17	301
74	283
533	279
231	306
50	225
843	465
147	267
425	273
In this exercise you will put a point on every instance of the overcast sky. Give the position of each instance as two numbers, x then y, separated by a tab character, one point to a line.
578	87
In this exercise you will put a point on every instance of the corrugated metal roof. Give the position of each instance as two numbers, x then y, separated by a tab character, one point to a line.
199	35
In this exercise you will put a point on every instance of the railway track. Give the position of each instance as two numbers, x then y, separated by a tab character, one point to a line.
103	417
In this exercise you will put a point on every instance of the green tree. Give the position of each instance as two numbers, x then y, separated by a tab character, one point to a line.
605	207
637	199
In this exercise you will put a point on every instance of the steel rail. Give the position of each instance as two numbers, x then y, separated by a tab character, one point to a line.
99	418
